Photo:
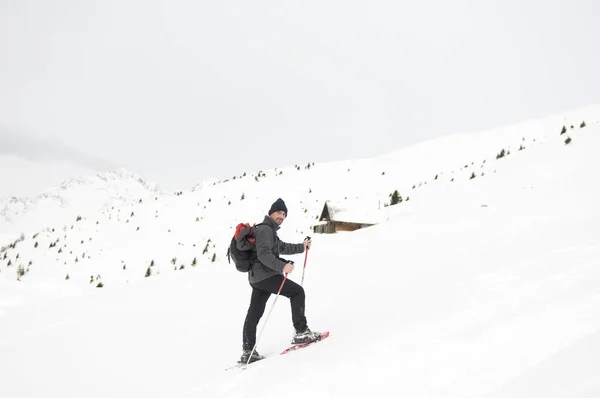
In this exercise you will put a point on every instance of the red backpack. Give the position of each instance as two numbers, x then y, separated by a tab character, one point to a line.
242	248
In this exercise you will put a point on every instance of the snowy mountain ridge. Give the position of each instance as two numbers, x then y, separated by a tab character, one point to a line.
104	207
98	192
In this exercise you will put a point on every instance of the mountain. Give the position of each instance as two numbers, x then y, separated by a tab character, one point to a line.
32	164
84	194
481	283
22	177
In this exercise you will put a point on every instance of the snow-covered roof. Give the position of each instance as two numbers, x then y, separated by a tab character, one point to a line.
350	211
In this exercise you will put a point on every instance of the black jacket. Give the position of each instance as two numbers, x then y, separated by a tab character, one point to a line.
268	249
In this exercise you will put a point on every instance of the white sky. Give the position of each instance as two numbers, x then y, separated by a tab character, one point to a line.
180	91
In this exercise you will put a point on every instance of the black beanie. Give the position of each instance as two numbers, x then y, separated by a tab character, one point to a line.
279	205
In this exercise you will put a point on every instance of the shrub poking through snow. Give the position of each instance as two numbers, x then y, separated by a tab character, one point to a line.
20	272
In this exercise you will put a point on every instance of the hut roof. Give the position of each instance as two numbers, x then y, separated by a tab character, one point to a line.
352	212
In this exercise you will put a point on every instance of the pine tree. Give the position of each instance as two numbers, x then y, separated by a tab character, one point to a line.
395	198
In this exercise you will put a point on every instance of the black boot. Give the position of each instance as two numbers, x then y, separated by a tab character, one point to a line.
246	354
306	336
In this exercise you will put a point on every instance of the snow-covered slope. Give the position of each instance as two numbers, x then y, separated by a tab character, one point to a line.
482	284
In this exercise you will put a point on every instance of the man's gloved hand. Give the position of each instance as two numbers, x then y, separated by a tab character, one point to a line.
288	268
307	243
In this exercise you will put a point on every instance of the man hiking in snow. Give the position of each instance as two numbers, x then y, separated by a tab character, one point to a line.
266	277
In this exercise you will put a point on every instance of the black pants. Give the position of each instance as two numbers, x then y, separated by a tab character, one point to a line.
260	294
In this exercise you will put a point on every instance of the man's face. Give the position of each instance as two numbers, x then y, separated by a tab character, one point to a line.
278	217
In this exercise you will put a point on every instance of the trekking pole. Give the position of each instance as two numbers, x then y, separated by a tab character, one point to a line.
266	319
305	257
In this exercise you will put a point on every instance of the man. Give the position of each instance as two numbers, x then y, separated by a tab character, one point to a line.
266	277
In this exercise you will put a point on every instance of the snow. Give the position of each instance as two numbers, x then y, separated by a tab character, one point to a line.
484	287
354	211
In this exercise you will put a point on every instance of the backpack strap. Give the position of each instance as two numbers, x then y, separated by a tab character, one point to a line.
254	250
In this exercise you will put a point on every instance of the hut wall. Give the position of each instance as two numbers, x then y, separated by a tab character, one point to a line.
346	227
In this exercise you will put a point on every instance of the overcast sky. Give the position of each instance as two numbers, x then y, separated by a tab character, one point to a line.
179	91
